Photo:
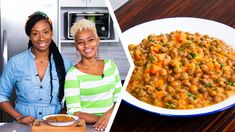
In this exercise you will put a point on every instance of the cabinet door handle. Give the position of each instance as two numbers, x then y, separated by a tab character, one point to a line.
5	52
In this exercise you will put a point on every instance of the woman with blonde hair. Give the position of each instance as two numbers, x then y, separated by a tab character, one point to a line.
92	85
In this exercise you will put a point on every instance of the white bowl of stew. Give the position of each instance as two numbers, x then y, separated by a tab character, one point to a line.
60	119
192	26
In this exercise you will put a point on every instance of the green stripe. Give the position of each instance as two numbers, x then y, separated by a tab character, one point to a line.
97	104
117	78
96	90
117	90
72	69
98	114
71	84
72	99
111	70
85	78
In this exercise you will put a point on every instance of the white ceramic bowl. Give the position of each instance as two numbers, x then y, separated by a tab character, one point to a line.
60	123
135	34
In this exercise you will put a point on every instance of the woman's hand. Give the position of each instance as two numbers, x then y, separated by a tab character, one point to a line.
27	120
9	109
89	118
101	124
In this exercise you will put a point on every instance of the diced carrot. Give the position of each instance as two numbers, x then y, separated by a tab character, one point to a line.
137	55
159	95
161	56
184	69
210	65
131	88
151	48
154	69
217	66
233	53
158	46
160	63
178	37
135	83
154	49
159	82
147	70
183	96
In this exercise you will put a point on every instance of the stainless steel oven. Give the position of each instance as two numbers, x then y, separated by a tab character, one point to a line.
101	20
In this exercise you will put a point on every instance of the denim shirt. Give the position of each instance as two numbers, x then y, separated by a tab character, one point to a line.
32	95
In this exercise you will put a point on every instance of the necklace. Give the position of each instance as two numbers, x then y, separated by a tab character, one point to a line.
43	60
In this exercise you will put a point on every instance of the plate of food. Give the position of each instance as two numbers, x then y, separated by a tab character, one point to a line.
60	119
183	66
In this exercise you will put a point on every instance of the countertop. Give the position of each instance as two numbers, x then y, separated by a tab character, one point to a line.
135	12
17	127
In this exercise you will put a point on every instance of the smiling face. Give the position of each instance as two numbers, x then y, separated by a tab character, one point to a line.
41	35
86	42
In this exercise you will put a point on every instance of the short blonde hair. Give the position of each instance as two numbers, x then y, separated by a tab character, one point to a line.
82	25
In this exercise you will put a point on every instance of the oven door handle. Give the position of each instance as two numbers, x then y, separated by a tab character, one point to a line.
5	46
88	14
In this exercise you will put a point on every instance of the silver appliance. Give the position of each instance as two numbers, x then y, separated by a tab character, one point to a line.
14	14
101	20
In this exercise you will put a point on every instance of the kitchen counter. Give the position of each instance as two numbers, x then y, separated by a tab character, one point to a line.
129	118
16	127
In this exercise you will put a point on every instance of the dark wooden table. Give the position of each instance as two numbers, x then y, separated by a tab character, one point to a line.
129	118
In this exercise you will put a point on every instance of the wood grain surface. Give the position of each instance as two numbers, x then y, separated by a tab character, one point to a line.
135	12
139	11
77	126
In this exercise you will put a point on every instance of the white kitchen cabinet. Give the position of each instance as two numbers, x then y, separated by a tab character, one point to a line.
96	3
73	3
82	3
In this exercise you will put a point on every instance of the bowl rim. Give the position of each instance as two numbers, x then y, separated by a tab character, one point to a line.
76	118
172	114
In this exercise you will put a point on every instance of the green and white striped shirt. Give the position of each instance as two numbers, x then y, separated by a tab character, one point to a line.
90	93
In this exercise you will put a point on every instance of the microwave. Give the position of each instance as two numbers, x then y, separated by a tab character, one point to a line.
101	20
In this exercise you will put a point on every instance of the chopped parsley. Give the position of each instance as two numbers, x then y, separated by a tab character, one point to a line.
208	84
170	105
148	65
230	83
193	55
181	49
154	59
187	44
192	96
